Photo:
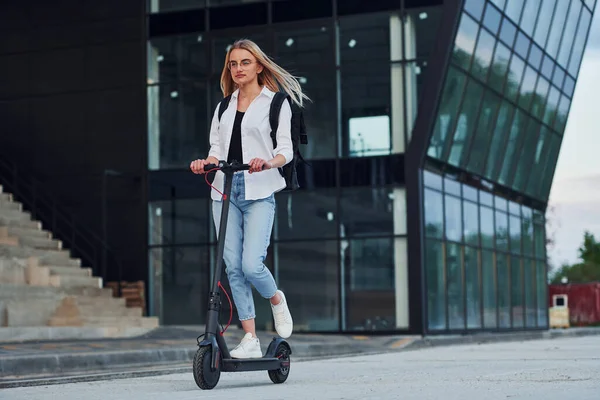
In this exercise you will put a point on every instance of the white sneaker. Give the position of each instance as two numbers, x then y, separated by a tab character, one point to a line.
249	347
283	319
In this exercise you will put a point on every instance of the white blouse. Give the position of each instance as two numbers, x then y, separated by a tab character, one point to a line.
256	143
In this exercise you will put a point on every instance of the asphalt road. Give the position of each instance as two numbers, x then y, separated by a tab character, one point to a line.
567	368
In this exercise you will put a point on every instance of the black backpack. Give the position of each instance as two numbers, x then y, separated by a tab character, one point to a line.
298	130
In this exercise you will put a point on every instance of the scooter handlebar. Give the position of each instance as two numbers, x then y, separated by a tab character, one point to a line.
225	166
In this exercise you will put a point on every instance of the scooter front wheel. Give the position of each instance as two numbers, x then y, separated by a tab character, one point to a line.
205	377
281	374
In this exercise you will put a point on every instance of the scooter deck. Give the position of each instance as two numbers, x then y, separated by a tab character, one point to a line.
252	364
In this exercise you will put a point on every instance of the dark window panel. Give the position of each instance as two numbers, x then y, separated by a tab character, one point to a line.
518	127
370	297
309	277
579	44
517	303
475	8
220	3
174	23
368	211
434	214
238	16
426	22
456	290
492	18
465	42
539	98
557	26
453	213
500	132
543	23
472	290
367	171
535	56
527	230
539	160
508	32
292	10
483	55
549	167
348	7
177	124
180	221
530	293
514	77
489	289
502	269
497	75
514	9
436	284
522	45
177	58
542	294
566	44
466	122
173	5
481	136
530	14
547	67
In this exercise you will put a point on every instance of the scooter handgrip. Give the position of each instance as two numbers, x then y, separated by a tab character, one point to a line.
208	167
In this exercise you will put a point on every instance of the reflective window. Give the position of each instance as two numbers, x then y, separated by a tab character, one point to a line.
503	290
436	288
556	28
492	18
472	289
539	98
535	56
503	124
456	292
568	34
302	213
499	68
481	138
527	88
175	58
561	116
487	227
453	218
483	55
547	67
486	198
515	74
365	212
173	5
516	303
469	193
467	120
448	108
310	280
526	157
579	43
514	9
522	45
530	13
508	32
475	7
489	289
452	186
543	23
465	42
515	234
591	4
542	294
559	77
499	3
569	86
551	106
434	214
501	231
518	127
549	166
530	292
471	223
432	180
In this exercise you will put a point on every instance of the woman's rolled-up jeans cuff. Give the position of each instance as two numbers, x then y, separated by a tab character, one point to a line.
246	318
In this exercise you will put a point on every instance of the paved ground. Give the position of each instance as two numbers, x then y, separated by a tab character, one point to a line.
557	369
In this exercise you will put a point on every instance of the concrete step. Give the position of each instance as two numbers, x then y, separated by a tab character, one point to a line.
15	214
6	196
29	312
29	232
101	301
143	322
69	270
13	291
19	222
78	281
46	256
108	311
12	272
10	205
40	243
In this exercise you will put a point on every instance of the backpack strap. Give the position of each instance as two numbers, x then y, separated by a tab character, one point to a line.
276	104
223	105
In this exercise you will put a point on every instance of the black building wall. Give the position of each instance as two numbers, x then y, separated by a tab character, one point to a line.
72	104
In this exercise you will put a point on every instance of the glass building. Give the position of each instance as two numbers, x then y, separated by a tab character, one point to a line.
434	130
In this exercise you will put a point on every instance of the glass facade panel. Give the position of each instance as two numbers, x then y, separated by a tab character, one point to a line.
453	218
519	125
515	234
471	223
517	302
456	292
503	124
579	44
540	97
513	10
535	56
473	291
487	227
515	75
529	292
436	284
434	213
543	23
542	294
366	212
557	26
530	14
466	121
474	7
492	18
497	75
508	32
568	35
525	157
474	158
490	289
483	55
465	42
502	268
301	214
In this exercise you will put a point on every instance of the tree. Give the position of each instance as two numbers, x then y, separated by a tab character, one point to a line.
588	270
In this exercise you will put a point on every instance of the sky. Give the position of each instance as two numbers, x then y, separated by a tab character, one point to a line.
574	204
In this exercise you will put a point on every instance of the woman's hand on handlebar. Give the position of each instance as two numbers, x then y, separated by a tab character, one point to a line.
258	164
197	166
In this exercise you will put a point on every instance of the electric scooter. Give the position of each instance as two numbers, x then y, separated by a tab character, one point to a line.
212	356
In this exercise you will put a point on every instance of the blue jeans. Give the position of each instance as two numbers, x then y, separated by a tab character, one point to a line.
249	225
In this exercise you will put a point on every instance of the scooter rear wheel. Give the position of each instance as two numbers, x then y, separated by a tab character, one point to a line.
281	374
205	377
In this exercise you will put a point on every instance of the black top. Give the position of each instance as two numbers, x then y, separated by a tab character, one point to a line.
235	145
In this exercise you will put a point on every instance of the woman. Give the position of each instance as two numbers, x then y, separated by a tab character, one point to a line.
243	134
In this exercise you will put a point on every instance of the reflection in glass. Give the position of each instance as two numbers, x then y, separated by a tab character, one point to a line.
308	274
530	13
489	288
527	231
568	34
542	294
578	46
526	157
550	165
515	74
517	304
551	106
456	293
365	211
539	99
302	213
508	32
515	234
471	223
487	227
527	88
530	292
467	120
501	231
436	293
453	218
522	45
556	28
499	68
475	7
503	291
535	56
561	116
483	55
547	67
492	19
434	214
543	23
503	123
518	127
465	42
479	143
559	77
473	293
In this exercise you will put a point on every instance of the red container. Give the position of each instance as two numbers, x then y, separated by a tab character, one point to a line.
583	300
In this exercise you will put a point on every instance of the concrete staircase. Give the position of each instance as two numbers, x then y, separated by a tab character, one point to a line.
41	285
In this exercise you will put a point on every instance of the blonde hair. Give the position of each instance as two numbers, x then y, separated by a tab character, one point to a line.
272	76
